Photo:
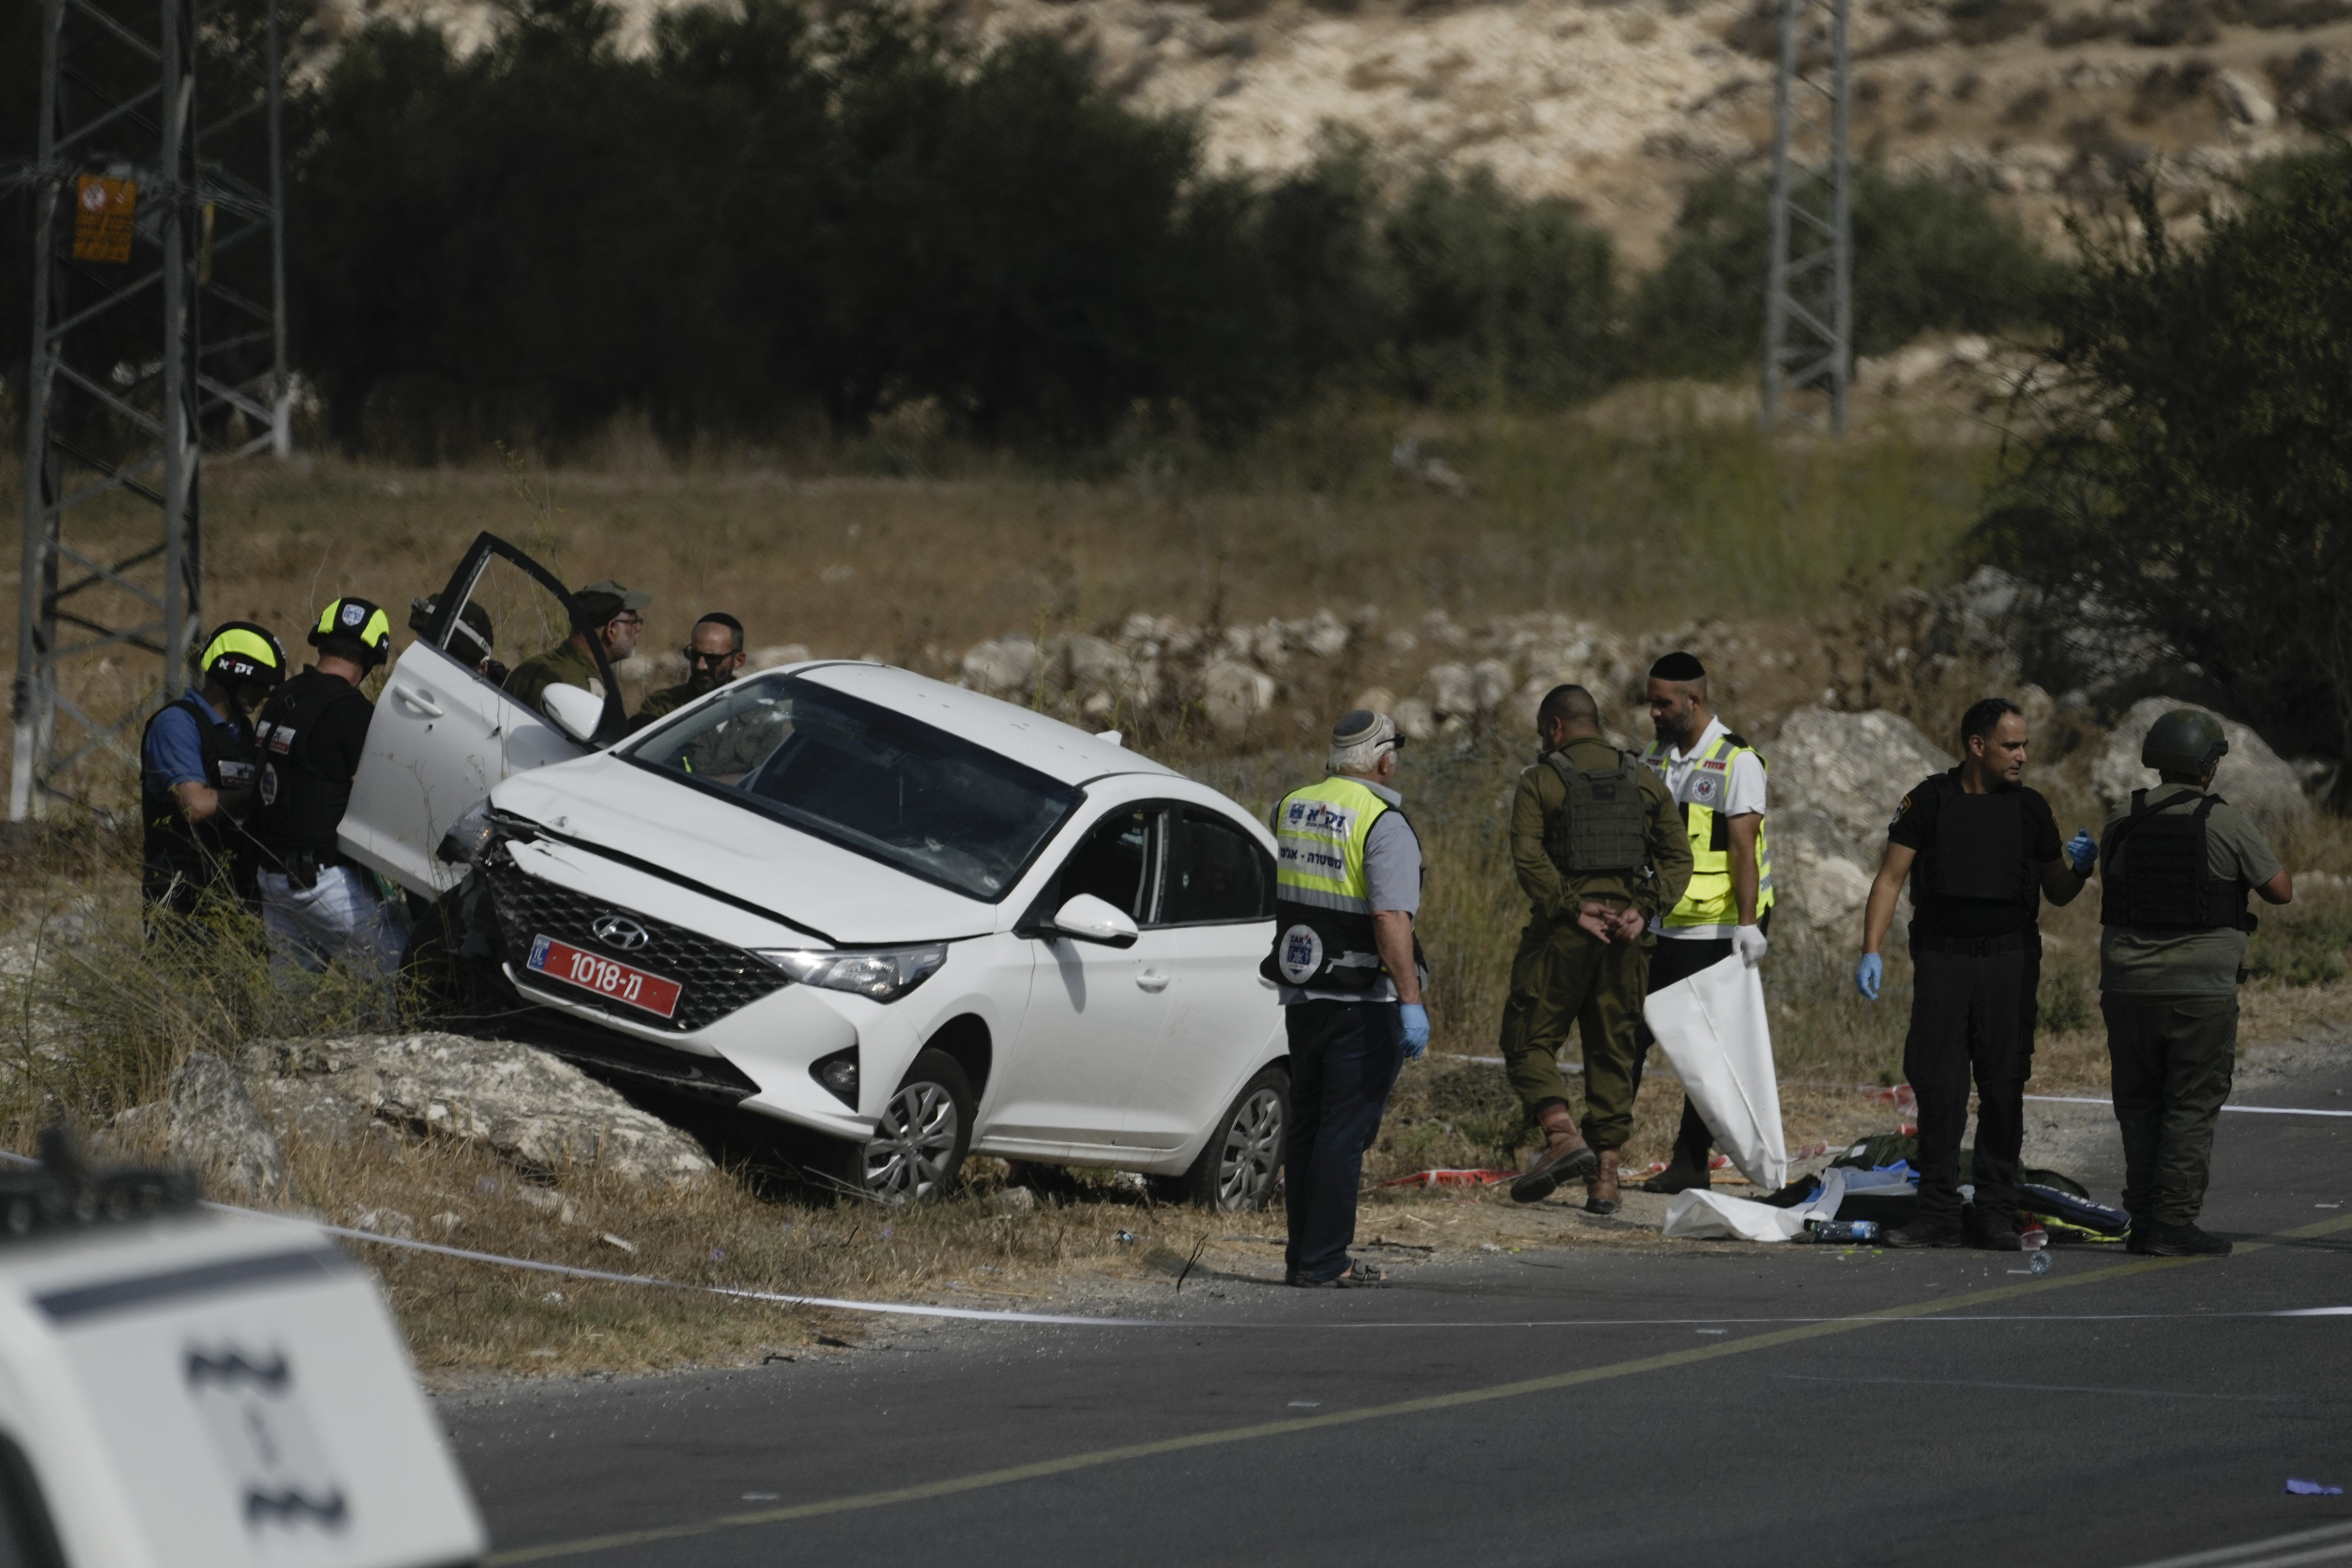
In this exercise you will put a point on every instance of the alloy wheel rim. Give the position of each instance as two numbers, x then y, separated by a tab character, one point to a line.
908	1157
1252	1148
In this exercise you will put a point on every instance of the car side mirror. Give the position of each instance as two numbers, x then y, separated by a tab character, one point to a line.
1089	919
575	710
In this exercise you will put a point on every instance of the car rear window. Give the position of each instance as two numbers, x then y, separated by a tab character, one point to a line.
867	778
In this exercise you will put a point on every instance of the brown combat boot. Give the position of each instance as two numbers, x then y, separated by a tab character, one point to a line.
1566	1157
1601	1195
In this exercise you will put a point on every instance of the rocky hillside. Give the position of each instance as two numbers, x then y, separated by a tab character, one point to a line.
1621	105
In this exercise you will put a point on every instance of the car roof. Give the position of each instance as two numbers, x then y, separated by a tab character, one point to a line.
1061	752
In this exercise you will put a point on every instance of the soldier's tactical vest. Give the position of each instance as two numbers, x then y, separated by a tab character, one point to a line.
195	855
1707	901
2167	881
1322	901
1600	826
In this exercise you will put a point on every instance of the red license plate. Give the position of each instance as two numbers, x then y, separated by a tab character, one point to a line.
607	977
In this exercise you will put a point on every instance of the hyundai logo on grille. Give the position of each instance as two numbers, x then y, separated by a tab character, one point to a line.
621	932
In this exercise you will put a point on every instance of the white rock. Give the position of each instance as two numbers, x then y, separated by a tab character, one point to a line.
2252	777
1452	691
1834	782
216	1127
1415	718
1232	694
1491	681
2238	96
1012	1200
1377	699
1326	636
771	657
532	1108
387	1222
1002	667
636	667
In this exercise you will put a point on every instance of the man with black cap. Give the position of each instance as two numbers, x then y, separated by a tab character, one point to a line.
1347	886
1716	780
1598	850
2179	864
316	905
606	611
1986	852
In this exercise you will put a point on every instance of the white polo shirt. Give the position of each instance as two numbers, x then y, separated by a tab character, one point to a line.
1734	792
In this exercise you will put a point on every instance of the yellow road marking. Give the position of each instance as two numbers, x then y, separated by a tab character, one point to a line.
1468	1397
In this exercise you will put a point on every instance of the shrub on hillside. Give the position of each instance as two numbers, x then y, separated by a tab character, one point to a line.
2191	478
1926	257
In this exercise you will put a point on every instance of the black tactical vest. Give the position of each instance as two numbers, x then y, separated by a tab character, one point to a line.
194	853
1979	852
2167	881
301	798
1601	824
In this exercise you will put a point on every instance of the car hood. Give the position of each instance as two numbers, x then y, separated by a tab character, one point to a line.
688	834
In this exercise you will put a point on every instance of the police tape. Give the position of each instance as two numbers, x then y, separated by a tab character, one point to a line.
1078	1319
2250	1109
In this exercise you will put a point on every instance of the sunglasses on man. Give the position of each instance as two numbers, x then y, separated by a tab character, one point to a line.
696	657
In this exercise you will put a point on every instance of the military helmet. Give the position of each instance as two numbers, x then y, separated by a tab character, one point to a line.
242	652
362	620
2185	741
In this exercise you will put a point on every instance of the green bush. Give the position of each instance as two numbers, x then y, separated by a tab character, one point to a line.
1926	257
2190	479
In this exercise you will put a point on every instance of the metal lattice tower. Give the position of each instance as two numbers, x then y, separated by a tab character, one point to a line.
1809	295
158	336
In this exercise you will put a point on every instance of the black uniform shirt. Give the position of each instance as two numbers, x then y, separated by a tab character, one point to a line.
1919	825
311	734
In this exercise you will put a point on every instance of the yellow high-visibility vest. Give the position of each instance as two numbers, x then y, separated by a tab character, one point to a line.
1708	900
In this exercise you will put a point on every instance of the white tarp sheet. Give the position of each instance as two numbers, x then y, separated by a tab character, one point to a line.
1714	1032
1702	1215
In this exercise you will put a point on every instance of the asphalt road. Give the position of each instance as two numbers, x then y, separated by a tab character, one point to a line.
1716	1405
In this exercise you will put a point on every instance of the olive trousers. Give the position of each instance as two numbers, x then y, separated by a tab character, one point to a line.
2172	1058
1562	975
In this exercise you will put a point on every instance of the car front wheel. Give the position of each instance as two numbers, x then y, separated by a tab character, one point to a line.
919	1144
1238	1167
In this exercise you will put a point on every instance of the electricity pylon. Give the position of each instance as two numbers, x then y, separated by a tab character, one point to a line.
1809	294
158	336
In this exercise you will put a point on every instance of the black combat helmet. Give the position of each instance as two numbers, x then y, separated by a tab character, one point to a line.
2184	741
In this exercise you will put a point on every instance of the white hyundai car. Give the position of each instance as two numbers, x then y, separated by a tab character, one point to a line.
918	921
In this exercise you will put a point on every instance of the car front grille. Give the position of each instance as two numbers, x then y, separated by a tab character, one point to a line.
716	978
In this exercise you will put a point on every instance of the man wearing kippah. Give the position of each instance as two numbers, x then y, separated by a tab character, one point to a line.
1347	886
1717	782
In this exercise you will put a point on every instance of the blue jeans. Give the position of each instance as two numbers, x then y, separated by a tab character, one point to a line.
1344	1060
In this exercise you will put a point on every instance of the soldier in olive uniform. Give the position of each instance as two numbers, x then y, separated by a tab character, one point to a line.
2179	863
606	611
1599	848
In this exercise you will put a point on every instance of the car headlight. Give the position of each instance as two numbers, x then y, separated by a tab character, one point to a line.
884	974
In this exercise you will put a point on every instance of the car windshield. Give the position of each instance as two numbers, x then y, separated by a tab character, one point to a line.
867	778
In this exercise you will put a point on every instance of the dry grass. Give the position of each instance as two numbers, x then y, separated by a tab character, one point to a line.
913	552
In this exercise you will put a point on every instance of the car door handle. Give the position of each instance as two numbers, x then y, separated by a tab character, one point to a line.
419	701
1152	980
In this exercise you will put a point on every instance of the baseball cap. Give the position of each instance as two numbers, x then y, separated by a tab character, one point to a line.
599	602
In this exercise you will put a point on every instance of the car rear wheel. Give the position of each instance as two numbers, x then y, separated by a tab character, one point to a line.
919	1144
1238	1167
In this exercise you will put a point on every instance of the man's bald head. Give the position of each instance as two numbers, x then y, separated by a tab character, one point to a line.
1566	713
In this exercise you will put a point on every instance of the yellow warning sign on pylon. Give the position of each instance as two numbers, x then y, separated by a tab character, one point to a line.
105	213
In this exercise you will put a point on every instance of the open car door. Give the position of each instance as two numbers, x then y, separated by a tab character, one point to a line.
444	729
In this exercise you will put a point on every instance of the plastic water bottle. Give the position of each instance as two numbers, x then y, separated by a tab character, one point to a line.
1835	1230
2040	1262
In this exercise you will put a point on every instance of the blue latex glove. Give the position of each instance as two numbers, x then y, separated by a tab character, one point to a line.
2084	851
1869	974
1415	1018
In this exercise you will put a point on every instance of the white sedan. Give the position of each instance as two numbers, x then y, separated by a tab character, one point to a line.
918	921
